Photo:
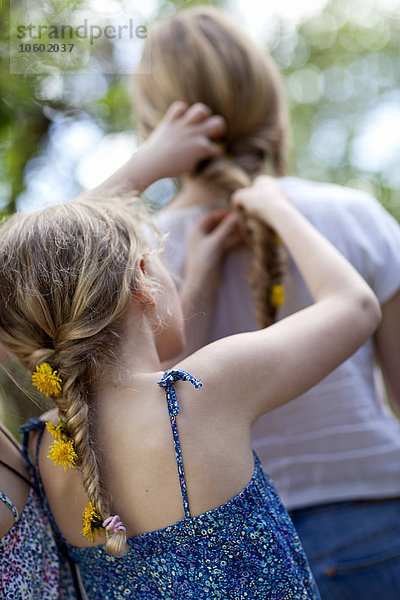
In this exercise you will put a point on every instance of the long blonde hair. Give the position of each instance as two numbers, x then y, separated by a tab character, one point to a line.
67	275
199	55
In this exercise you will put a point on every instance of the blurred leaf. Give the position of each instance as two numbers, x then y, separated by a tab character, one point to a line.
340	66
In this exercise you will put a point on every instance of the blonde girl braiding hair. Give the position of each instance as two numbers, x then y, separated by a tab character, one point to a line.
74	291
200	56
63	297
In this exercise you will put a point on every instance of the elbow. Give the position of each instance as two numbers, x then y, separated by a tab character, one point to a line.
371	312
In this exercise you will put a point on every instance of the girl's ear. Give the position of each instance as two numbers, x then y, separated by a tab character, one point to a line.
142	291
142	266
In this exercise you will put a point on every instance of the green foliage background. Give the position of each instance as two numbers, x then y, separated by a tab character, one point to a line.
339	65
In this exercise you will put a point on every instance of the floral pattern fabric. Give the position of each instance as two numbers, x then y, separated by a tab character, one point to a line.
30	568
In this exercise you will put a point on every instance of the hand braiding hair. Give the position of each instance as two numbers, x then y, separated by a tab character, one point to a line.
268	258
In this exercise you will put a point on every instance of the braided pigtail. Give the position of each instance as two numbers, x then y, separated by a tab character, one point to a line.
74	410
267	269
269	259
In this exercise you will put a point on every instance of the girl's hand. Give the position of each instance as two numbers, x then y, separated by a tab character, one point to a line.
262	199
184	138
207	244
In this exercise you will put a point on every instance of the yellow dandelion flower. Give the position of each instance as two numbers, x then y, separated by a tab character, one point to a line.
57	431
92	523
277	295
63	454
46	380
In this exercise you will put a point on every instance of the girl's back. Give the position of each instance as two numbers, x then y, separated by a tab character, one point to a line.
229	544
134	432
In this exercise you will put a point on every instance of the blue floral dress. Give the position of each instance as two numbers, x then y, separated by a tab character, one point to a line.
245	549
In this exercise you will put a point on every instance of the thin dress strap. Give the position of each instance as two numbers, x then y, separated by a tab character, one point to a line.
167	382
10	438
10	468
17	447
10	505
26	429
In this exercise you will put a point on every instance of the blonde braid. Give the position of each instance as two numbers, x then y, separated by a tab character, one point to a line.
74	405
268	259
267	268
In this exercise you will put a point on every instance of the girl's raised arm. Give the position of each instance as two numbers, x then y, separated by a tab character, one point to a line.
262	370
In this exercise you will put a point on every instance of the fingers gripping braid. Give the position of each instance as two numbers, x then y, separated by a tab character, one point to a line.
268	256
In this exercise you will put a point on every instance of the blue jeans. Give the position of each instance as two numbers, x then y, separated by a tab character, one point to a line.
353	548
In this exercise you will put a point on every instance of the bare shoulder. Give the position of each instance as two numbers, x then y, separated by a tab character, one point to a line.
50	415
6	519
217	367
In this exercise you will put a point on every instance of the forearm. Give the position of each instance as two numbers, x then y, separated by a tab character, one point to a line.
181	140
197	293
136	175
325	271
197	326
209	240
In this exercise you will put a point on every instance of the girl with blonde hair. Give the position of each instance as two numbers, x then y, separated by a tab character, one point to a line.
199	56
334	452
33	565
174	503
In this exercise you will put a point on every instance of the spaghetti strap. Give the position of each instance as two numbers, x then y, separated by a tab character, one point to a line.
10	505
17	447
35	424
38	425
167	382
10	468
10	438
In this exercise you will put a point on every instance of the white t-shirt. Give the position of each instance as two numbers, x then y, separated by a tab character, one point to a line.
338	441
